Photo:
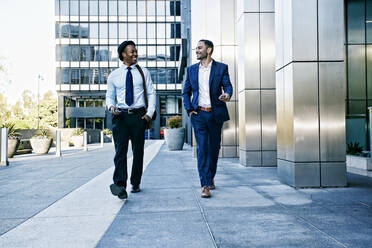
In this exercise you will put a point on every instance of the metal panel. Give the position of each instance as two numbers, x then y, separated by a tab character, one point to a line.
331	29
228	57
253	158
286	172
251	50
89	112
287	31
229	151
304	37
288	115
240	58
279	49
333	174
229	135
212	21
280	114
307	175
332	88
267	5
268	158
251	5
228	22
267	39
268	120
253	120
242	121
305	118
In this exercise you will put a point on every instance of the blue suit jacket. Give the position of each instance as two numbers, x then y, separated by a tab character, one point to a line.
219	79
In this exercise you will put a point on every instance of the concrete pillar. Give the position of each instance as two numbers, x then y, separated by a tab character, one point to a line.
256	82
4	147
58	143
310	92
102	138
61	111
85	148
215	20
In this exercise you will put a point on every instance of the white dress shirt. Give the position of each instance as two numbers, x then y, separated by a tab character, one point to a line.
204	74
115	95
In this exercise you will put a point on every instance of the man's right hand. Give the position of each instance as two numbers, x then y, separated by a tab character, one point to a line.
193	113
114	110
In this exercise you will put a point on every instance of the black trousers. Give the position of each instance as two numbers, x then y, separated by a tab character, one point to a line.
128	127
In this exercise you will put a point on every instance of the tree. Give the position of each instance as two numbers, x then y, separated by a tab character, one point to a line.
4	110
48	110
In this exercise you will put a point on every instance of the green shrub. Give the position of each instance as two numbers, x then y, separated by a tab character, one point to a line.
12	134
78	132
41	134
175	122
354	148
107	131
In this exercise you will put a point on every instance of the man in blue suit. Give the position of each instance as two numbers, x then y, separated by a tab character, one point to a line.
208	83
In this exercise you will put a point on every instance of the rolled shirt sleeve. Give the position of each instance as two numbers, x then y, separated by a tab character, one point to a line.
151	93
110	93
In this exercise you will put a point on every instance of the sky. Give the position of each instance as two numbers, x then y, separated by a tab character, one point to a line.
27	46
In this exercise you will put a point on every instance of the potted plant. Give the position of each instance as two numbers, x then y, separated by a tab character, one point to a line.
78	137
13	138
174	135
41	142
107	135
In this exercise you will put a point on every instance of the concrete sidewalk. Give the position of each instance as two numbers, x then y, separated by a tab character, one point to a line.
65	203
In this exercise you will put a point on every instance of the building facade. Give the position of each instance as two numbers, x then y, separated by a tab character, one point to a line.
88	33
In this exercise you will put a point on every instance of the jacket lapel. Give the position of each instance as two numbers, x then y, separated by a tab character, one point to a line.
196	68
213	68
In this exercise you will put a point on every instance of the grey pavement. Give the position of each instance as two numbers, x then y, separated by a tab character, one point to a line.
45	201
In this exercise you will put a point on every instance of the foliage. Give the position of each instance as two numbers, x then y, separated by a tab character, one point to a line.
12	133
42	134
78	132
175	122
354	148
107	131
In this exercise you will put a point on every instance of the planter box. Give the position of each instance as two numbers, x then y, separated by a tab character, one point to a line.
41	146
78	140
12	147
175	138
361	163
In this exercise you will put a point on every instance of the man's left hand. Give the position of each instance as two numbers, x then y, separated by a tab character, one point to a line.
224	97
146	117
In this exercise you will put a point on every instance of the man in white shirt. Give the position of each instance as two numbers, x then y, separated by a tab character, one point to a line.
126	101
208	83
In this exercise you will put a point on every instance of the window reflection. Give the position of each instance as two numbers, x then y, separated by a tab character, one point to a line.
84	30
103	8
64	7
93	7
113	30
84	76
122	7
94	30
103	30
85	53
84	7
123	31
132	31
75	76
75	53
113	8
74	8
132	8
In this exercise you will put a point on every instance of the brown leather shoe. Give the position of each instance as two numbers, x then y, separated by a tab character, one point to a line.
205	192
212	187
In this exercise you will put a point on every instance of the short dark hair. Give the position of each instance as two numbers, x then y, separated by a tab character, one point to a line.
208	43
123	45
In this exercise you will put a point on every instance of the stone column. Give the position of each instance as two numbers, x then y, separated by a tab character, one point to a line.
215	20
310	95
256	82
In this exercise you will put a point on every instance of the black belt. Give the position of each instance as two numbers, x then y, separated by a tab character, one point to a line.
131	110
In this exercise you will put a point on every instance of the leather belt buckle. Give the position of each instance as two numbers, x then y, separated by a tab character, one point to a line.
130	111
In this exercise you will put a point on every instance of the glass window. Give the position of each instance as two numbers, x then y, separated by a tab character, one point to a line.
142	8
65	30
151	53
122	7
151	31
64	8
113	30
153	74
369	71
141	51
161	76
65	76
151	10
84	7
94	30
103	53
84	30
81	103
75	76
132	8
113	8
84	76
98	123
160	53
103	8
174	53
89	123
356	72
132	31
369	21
80	122
89	103
75	53
63	53
160	8
103	74
160	31
58	31
175	8
171	76
123	31
93	7
84	53
357	107
74	7
94	55
56	5
113	53
141	30
98	103
103	30
94	77
58	76
355	21
74	31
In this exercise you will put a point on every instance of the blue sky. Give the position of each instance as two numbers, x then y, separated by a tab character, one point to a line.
27	45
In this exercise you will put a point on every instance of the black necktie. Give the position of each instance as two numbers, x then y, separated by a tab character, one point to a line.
129	87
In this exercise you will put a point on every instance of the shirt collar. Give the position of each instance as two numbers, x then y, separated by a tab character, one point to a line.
124	66
208	66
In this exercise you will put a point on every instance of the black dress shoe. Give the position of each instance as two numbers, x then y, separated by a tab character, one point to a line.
135	189
116	189
123	195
